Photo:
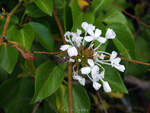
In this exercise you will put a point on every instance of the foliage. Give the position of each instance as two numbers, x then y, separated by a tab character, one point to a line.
33	27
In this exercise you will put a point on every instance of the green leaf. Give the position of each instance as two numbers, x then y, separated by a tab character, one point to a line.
81	101
44	36
142	49
33	11
98	5
124	40
114	15
79	16
3	75
47	80
24	36
114	79
45	5
18	90
67	18
8	57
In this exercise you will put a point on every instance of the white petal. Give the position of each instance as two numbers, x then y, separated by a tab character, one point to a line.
84	25
91	27
101	40
79	60
102	56
64	47
98	32
120	67
95	71
88	38
117	61
71	60
101	75
106	87
80	79
85	70
91	62
113	55
90	31
110	34
96	85
79	32
66	35
72	51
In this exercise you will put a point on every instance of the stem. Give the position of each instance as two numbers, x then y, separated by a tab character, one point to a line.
59	25
8	18
70	87
135	61
22	18
36	106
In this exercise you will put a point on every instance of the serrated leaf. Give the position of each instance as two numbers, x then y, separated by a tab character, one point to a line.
124	39
79	16
8	57
114	79
44	36
47	80
81	101
24	36
45	5
98	5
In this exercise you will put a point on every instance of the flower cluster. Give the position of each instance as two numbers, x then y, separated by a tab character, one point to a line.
87	58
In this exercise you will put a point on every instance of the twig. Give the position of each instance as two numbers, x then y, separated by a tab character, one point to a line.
59	25
102	102
70	87
36	106
132	16
8	20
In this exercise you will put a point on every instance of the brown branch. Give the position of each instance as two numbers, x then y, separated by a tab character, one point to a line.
70	87
132	16
36	106
59	25
8	20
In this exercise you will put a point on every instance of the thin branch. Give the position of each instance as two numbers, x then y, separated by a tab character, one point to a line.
70	87
132	16
36	106
59	25
102	102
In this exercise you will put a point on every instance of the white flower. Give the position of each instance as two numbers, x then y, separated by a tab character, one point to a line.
77	38
95	36
72	51
115	62
101	75
67	36
106	87
94	69
102	56
96	85
80	79
86	26
110	34
71	60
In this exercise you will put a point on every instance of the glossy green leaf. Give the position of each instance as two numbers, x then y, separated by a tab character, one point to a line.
45	5
24	36
124	40
114	15
18	91
47	80
8	57
98	5
67	18
79	16
3	75
57	99
33	11
44	36
81	101
114	79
